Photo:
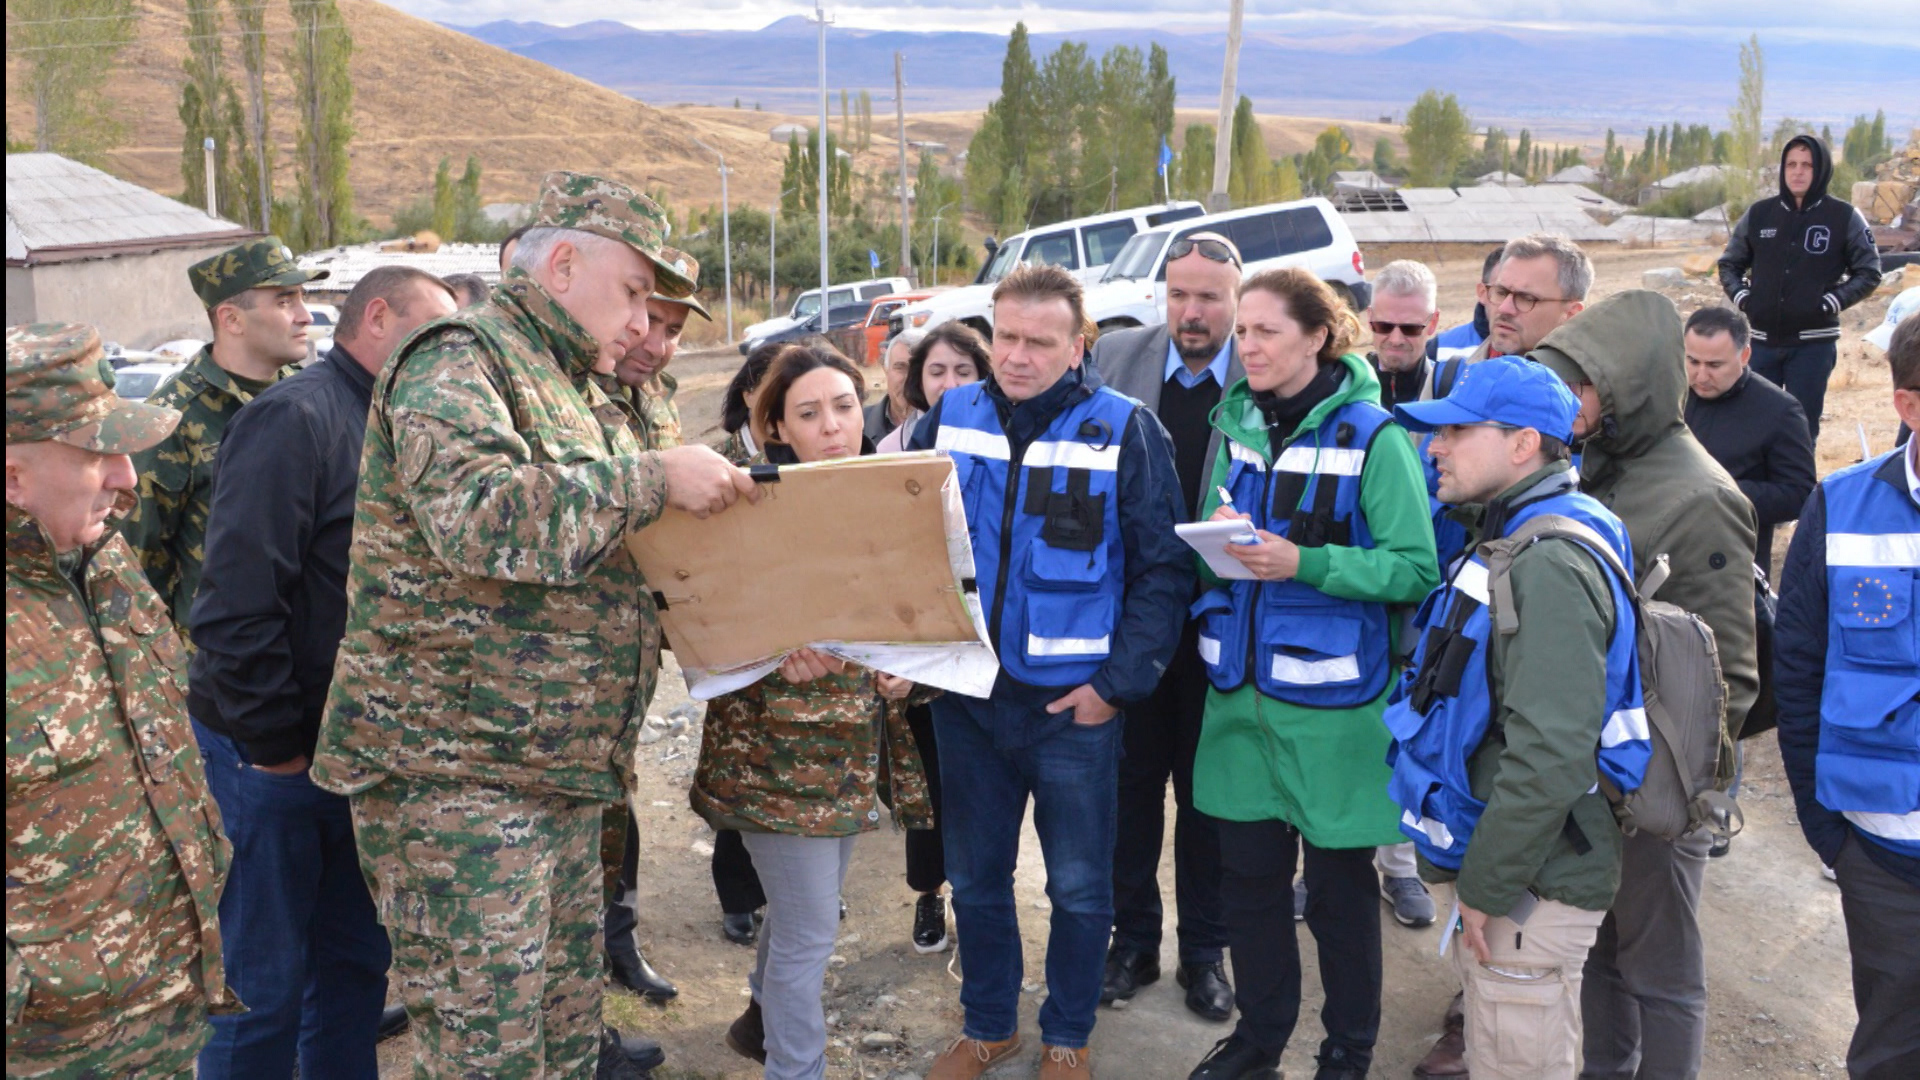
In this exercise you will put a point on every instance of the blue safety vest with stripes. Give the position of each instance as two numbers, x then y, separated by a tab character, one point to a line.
1295	643
1048	555
1443	708
1868	764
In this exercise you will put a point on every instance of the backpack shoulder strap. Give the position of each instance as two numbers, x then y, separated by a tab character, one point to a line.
1446	375
1501	553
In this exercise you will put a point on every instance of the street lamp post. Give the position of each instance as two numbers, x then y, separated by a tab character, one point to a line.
726	234
773	237
820	16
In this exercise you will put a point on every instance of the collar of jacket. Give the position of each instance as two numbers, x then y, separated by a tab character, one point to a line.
535	311
1024	421
1553	478
350	369
1238	415
203	367
30	552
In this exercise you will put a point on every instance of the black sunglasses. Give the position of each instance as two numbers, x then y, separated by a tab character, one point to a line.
1209	249
1407	329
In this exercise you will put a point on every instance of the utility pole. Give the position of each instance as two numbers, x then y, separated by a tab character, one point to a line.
726	233
900	114
773	258
1223	136
935	279
820	16
213	179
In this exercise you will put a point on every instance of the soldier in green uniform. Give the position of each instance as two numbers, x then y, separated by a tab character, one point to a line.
641	384
254	299
115	858
484	701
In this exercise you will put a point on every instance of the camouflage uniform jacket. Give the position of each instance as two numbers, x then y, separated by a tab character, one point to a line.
497	627
649	408
734	449
115	856
169	526
809	759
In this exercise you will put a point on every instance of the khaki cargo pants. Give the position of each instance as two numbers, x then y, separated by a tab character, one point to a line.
491	897
1523	1005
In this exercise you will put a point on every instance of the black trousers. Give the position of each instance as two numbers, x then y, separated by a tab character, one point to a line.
1343	911
1883	936
734	878
1160	739
926	855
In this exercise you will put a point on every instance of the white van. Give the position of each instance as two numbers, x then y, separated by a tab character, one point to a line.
1085	246
807	305
1306	233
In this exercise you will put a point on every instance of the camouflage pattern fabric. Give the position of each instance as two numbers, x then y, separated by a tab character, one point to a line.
497	628
808	759
687	267
734	449
60	386
168	529
115	857
609	208
266	263
491	901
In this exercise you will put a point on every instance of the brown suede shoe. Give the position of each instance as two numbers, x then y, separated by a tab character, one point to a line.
1061	1063
967	1058
1448	1058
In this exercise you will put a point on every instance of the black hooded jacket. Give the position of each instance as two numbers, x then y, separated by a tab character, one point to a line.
1794	269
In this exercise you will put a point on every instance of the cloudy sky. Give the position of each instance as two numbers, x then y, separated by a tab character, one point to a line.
1381	21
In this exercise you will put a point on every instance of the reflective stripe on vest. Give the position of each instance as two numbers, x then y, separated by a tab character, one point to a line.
1868	763
1054	615
1293	642
1440	714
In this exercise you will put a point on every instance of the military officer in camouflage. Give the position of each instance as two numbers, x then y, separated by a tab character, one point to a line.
640	383
484	700
115	858
254	299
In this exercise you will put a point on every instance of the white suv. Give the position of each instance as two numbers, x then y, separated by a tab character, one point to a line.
1085	246
1306	233
807	305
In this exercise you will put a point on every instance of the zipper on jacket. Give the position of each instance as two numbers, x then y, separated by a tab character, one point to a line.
1006	537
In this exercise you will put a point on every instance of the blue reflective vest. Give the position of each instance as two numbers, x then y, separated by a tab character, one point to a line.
1442	709
1868	764
1296	643
1047	550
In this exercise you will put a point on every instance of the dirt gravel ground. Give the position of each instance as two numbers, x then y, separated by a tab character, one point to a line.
1776	946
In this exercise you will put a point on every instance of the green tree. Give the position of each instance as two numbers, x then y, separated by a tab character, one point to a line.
67	50
1019	88
204	115
323	91
254	145
1286	181
446	215
1194	178
1383	162
1745	135
1881	144
470	219
1160	90
1523	153
1066	95
1496	154
1123	142
1250	181
1438	137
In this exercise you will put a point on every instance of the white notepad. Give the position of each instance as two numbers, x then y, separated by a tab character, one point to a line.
1210	539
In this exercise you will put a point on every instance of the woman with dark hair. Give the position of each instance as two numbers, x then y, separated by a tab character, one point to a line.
745	439
951	354
794	761
1300	661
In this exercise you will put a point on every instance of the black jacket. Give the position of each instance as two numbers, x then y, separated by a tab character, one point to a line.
1758	433
1159	565
272	604
1799	678
1794	269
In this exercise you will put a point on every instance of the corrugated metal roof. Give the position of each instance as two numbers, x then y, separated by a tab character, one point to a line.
350	264
54	204
1574	174
1489	214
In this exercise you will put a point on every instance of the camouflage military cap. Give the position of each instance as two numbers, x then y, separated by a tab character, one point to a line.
60	386
608	208
256	264
687	267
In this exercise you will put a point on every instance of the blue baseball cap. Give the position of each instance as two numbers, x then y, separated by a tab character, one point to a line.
1509	390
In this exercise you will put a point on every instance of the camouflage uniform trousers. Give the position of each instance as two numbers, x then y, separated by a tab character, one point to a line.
491	897
159	1045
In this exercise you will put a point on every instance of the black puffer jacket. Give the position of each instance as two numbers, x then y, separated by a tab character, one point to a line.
1794	268
1758	433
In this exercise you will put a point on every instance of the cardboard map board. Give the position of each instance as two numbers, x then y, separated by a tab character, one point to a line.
860	550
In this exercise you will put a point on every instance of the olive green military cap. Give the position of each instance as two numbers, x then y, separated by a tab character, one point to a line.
266	263
60	386
687	267
570	200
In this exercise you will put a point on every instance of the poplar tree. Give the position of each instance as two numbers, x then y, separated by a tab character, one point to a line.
323	91
67	50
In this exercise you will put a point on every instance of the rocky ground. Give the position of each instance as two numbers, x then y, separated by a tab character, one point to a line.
1776	945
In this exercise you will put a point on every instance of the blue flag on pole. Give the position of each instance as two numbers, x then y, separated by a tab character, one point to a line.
873	258
1166	155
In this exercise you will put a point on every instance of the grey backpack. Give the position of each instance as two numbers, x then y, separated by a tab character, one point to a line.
1683	692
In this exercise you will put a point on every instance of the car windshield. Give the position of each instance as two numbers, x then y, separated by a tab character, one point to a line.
135	386
1003	262
1136	260
807	305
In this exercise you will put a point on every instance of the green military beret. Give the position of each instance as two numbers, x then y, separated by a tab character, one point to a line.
257	264
608	208
60	386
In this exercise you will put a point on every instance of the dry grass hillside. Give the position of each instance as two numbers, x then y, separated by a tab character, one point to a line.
423	92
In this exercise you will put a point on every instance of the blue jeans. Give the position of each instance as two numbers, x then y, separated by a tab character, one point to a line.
1072	775
304	949
1801	369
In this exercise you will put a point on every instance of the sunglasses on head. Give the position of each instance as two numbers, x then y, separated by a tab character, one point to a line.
1407	329
1212	250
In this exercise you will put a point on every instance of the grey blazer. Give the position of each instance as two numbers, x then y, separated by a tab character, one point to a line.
1134	362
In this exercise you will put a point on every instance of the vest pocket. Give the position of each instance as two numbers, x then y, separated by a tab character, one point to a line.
1299	648
1223	638
1846	779
1874	610
1070	618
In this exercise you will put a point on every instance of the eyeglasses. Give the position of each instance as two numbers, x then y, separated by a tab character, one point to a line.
1407	329
1213	250
1522	301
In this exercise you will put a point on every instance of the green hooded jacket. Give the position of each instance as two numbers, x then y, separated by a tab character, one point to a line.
1646	467
1323	771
